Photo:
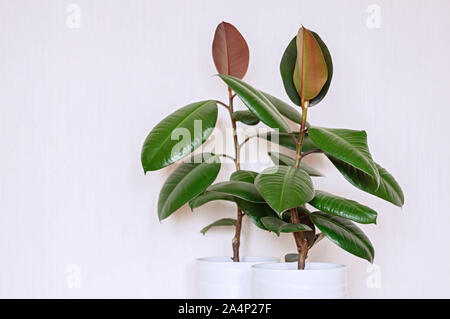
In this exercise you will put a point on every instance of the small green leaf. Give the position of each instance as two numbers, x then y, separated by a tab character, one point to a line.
220	222
345	234
277	225
343	207
285	160
243	176
246	117
242	190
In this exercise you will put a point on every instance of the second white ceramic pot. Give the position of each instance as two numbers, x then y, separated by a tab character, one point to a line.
221	278
285	281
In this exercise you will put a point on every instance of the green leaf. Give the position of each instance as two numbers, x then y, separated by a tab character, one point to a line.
242	190
278	226
349	146
256	211
220	222
289	258
207	197
246	117
284	187
261	107
284	108
285	160
286	140
345	234
388	189
162	146
343	207
184	184
287	67
244	176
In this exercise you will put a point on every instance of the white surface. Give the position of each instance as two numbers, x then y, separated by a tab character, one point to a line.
221	278
78	216
285	281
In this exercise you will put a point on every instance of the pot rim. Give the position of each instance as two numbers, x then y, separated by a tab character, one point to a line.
243	260
291	267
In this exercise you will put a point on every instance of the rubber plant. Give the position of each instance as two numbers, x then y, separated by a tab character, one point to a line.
275	199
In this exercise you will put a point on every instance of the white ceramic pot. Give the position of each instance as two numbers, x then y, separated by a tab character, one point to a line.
220	277
285	281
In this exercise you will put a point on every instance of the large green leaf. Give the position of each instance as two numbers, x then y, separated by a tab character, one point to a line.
284	187
162	146
246	117
278	226
287	67
243	176
286	140
184	184
261	106
349	146
343	207
207	197
242	190
285	160
220	222
256	211
388	189
345	234
284	108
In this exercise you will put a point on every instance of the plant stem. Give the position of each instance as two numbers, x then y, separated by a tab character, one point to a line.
300	239
236	242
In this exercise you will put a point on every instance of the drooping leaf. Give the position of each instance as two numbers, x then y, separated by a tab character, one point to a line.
287	67
243	176
310	72
277	225
184	184
175	137
246	117
342	207
349	146
284	108
230	51
345	234
220	222
388	189
285	160
256	102
207	197
256	211
284	187
286	140
242	190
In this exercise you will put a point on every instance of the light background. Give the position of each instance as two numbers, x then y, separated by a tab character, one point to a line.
77	104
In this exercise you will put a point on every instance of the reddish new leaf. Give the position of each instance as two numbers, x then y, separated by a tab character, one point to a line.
230	51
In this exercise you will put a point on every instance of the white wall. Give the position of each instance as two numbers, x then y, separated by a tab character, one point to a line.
76	105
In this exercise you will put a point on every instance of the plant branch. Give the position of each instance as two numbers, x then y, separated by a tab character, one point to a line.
223	104
315	150
225	155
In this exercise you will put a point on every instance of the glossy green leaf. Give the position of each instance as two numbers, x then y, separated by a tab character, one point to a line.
207	197
388	189
349	146
345	234
284	108
244	176
242	190
286	140
284	187
256	211
184	184
343	207
304	219
261	106
285	160
220	222
246	117
278	226
175	137
287	67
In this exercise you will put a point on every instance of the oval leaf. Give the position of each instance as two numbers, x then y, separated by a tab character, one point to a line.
244	176
284	187
343	207
246	117
242	190
220	222
285	160
185	183
256	102
230	51
349	146
278	226
345	234
388	189
162	146
207	197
